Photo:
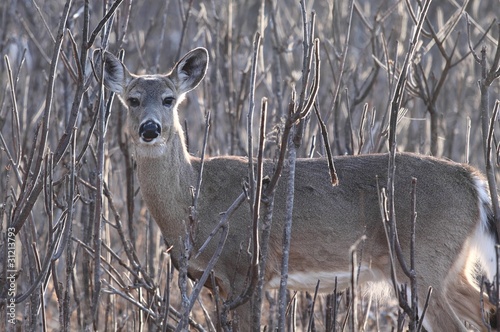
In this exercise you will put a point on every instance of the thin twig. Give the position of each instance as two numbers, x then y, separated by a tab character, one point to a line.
15	115
251	107
334	180
413	278
102	23
311	316
254	267
185	22
202	164
223	224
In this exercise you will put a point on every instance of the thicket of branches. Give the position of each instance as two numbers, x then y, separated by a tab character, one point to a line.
67	170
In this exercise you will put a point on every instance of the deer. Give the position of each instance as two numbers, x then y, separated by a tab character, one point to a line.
455	230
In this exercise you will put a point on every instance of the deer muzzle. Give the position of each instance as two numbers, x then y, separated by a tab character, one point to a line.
149	130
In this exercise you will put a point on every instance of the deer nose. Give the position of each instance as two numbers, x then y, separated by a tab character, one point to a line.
149	130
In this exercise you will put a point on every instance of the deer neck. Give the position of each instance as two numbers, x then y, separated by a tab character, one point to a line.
165	179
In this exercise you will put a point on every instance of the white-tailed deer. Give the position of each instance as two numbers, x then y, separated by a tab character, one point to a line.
454	228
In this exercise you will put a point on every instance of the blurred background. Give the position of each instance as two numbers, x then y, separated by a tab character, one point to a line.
57	152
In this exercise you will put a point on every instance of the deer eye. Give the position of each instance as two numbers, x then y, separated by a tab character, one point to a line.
168	101
133	102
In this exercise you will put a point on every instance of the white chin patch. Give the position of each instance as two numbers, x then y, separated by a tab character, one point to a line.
152	149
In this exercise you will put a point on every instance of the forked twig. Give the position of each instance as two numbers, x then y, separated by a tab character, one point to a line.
393	239
224	225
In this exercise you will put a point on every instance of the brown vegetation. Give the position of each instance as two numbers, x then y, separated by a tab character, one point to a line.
67	170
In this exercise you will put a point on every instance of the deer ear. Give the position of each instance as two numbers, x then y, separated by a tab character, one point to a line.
190	70
115	74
